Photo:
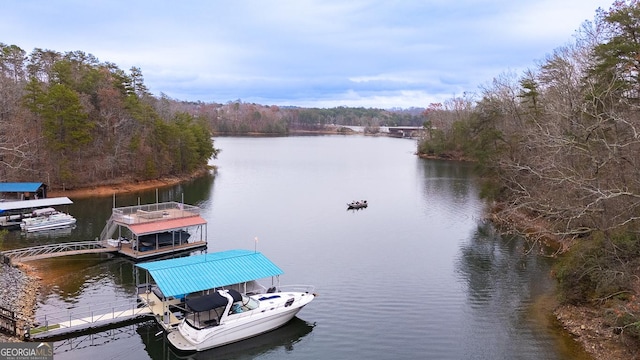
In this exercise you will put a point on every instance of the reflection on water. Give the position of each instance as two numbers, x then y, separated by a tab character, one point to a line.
504	284
51	234
275	343
88	345
150	342
417	274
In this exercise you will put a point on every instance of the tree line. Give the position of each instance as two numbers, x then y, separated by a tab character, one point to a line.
68	120
242	118
559	145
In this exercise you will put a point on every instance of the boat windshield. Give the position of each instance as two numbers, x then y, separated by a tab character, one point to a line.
249	303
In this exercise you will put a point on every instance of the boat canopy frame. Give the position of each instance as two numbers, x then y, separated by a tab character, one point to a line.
182	276
211	301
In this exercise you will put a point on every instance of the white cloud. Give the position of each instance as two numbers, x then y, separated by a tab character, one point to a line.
304	52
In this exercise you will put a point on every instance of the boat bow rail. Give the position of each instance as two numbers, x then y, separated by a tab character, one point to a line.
309	289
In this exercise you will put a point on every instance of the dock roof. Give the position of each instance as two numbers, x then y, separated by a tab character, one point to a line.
19	186
166	225
33	204
190	274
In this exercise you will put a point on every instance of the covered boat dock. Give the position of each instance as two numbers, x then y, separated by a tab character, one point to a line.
14	191
169	282
145	231
12	212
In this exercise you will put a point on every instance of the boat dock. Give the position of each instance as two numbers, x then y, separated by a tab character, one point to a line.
12	212
162	294
138	232
90	247
55	250
80	319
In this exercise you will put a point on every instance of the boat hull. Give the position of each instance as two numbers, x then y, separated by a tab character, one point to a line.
44	224
258	322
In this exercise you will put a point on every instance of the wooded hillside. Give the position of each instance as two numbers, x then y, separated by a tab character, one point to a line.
68	120
241	118
560	146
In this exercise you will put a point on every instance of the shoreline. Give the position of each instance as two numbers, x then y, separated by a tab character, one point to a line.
585	324
125	186
20	285
20	289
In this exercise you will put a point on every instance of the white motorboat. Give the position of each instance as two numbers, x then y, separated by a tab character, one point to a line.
226	316
209	300
48	221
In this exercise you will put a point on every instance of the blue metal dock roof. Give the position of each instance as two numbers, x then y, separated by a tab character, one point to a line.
19	186
190	274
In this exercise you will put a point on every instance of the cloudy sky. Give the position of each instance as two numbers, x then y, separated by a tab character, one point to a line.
310	53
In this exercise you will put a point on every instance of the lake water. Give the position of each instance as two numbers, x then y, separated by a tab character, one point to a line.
416	275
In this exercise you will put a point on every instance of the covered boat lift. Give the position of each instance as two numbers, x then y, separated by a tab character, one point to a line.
169	282
127	226
12	212
22	191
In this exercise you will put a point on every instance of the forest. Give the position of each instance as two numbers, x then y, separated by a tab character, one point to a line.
241	118
557	147
69	120
559	150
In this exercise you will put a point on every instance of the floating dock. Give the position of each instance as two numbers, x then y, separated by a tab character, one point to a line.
138	232
146	231
74	320
12	212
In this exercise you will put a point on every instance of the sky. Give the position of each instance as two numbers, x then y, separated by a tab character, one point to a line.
308	53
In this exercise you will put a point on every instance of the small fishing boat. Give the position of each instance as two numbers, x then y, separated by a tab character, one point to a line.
357	204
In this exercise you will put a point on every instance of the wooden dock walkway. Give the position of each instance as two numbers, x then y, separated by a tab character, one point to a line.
55	250
91	247
87	318
137	232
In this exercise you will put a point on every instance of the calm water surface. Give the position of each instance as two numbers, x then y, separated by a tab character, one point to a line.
417	274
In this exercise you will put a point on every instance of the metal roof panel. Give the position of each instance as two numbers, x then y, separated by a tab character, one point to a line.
19	186
186	275
166	225
33	204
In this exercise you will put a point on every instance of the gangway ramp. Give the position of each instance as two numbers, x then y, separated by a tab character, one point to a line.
79	319
56	250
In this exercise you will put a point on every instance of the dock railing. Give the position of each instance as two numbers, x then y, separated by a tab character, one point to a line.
53	250
153	212
87	317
